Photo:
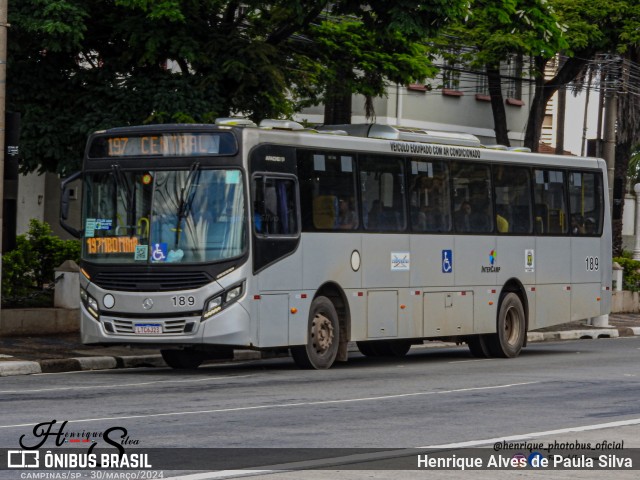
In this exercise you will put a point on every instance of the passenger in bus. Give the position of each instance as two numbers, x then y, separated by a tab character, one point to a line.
577	224
502	224
590	226
347	218
462	217
420	188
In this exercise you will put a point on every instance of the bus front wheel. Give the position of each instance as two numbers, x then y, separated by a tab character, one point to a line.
182	359
323	337
511	326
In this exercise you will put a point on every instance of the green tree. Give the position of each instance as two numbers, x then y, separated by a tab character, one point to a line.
499	29
28	267
633	170
627	134
76	66
591	28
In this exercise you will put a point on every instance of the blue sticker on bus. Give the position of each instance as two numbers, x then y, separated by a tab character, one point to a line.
103	223
159	252
447	261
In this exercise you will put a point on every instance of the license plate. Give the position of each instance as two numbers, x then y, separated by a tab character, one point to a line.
147	329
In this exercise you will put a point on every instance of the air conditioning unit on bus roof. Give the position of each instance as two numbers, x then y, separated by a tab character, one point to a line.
409	134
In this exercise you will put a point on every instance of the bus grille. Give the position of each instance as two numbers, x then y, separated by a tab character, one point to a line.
151	282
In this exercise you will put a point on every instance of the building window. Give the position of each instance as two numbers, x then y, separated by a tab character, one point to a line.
513	76
482	84
451	76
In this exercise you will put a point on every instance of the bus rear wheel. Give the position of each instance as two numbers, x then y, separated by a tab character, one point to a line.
511	328
368	349
323	337
478	346
182	359
384	348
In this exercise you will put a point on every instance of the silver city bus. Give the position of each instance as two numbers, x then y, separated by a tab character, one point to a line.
202	239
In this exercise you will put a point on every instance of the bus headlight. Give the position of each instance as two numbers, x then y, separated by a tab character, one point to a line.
213	306
233	294
222	300
90	303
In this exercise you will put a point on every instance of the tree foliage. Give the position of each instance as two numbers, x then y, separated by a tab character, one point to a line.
76	66
499	29
31	265
591	28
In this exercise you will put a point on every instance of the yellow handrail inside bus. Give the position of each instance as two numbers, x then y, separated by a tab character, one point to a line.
143	231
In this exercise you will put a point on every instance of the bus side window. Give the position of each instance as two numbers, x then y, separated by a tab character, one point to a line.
429	197
585	202
551	209
327	190
325	212
472	198
541	218
512	193
383	193
274	206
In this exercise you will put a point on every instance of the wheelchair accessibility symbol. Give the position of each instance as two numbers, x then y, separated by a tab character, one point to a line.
447	261
159	252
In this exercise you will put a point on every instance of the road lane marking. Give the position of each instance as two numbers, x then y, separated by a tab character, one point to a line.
123	385
376	456
527	436
288	405
475	360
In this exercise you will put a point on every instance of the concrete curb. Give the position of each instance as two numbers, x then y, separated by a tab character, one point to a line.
576	334
21	367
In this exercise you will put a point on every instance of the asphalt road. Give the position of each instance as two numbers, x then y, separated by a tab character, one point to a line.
433	397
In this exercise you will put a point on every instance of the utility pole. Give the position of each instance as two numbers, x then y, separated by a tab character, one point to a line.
3	84
609	150
562	107
610	116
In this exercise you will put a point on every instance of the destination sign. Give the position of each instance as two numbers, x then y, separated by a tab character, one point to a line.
111	245
163	145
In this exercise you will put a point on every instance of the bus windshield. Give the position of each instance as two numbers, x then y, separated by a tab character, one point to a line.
186	216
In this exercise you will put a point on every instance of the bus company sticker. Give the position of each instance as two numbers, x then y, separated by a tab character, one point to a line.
529	261
103	224
400	261
90	227
493	260
447	261
141	252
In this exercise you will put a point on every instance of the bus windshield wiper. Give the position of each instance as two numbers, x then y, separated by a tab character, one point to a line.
126	193
186	198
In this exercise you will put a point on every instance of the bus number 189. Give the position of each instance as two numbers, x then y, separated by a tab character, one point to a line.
592	264
183	301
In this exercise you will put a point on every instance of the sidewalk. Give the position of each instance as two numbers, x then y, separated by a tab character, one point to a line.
63	353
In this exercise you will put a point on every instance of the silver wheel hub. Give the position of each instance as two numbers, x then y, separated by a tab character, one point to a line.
321	333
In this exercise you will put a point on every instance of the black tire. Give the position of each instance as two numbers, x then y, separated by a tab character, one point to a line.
394	348
511	328
478	346
367	349
384	348
182	359
323	337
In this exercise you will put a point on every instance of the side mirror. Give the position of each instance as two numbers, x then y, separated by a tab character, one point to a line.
64	204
